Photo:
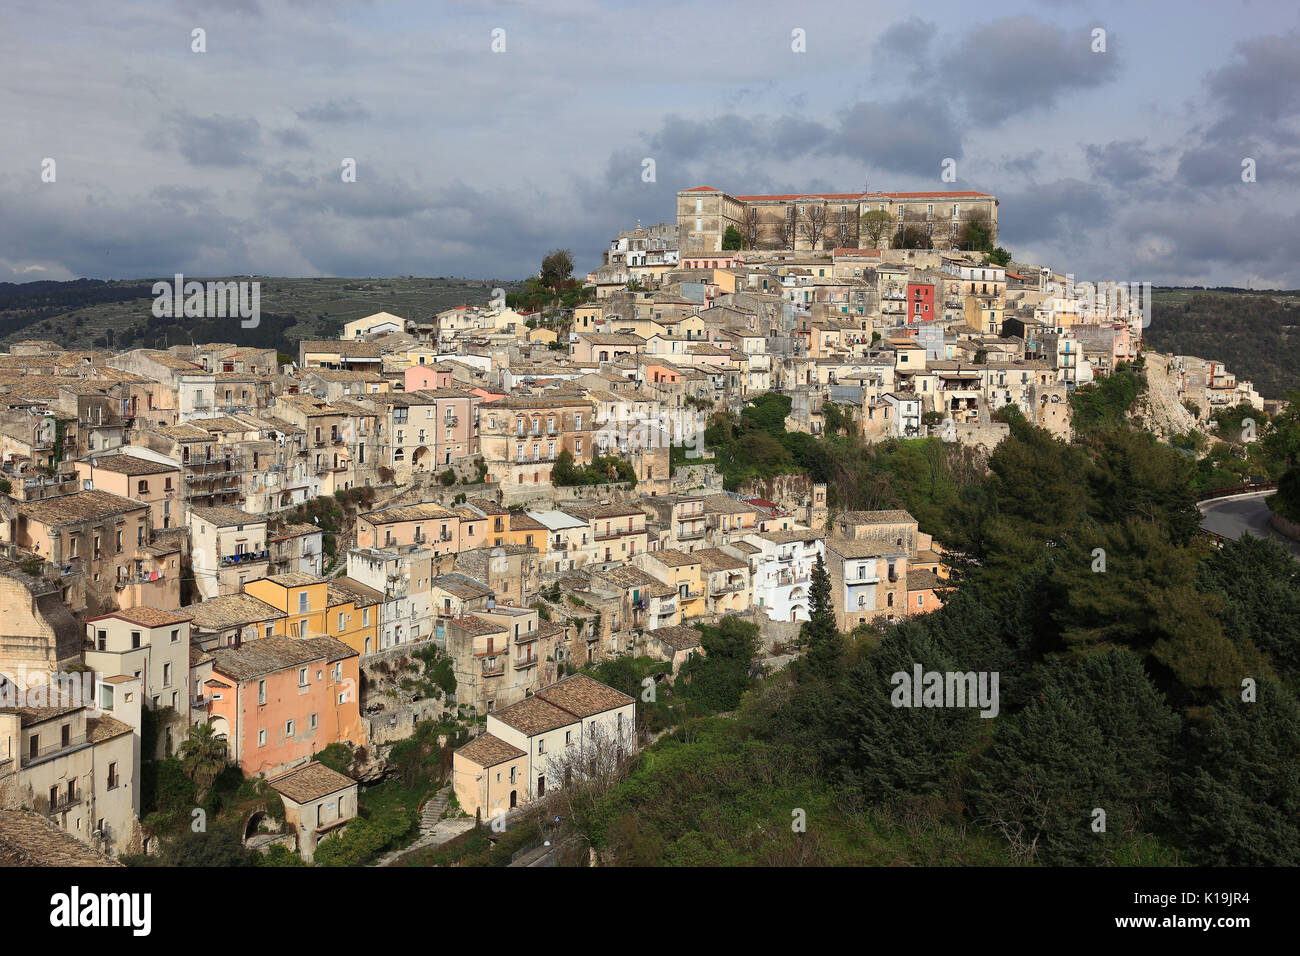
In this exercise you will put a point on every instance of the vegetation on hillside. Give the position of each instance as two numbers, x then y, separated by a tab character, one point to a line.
1142	672
1253	335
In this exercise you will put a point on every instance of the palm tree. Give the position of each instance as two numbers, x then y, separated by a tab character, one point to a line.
203	757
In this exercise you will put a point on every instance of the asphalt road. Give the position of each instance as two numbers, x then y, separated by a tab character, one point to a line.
1247	514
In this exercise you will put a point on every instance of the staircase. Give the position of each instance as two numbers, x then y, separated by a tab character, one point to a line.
433	810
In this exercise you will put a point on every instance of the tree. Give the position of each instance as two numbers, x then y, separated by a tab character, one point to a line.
732	239
749	227
875	223
787	229
556	268
976	235
203	755
819	631
1098	734
845	229
1237	794
813	227
912	237
999	256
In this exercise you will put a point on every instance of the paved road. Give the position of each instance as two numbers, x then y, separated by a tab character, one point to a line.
1243	514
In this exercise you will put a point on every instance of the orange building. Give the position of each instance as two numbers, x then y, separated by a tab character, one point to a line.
278	700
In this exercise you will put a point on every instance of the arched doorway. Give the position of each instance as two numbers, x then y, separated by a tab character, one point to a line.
514	799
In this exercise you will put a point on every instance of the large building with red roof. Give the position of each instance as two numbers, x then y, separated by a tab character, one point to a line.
808	221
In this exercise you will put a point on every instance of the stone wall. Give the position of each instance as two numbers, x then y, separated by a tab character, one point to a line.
696	477
1283	527
792	493
982	434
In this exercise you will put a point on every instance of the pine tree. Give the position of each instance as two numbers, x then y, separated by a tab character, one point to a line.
819	632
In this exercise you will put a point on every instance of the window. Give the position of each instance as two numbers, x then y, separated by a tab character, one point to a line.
135	640
288	728
176	635
112	776
261	692
302	677
365	617
541	746
167	675
311	722
101	642
261	738
303	603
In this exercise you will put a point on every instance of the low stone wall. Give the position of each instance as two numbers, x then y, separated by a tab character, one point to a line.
1279	524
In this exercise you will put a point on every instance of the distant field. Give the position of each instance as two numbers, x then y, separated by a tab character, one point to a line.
292	309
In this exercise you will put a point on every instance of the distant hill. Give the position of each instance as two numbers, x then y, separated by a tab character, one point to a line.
1256	335
90	313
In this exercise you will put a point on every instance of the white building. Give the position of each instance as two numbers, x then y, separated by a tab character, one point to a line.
782	570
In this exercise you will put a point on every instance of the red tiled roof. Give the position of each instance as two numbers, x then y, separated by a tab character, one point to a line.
786	197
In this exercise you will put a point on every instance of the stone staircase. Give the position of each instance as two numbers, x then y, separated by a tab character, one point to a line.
433	810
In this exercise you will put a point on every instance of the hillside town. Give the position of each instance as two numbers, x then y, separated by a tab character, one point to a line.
209	539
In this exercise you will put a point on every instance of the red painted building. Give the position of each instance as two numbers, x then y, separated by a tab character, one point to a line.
920	302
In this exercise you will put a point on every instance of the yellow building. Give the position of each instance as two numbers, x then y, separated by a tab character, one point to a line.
352	614
302	597
682	572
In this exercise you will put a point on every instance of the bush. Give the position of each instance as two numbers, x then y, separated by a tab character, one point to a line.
363	838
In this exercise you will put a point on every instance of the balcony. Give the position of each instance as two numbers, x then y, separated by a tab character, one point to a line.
65	801
667	607
495	670
140	577
526	637
525	662
717	589
54	750
685	535
244	557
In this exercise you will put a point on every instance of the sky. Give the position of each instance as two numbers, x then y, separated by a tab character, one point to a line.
1121	163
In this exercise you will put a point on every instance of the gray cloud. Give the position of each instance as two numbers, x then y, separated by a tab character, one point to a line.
1022	63
334	111
1121	162
214	140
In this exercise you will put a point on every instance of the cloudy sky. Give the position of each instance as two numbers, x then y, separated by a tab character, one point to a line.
1123	164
